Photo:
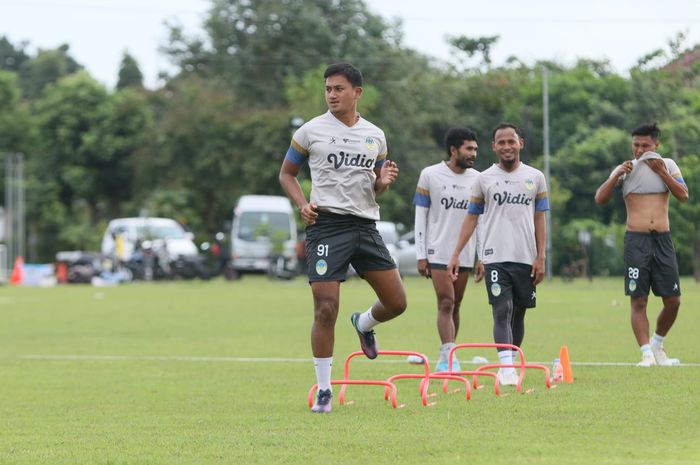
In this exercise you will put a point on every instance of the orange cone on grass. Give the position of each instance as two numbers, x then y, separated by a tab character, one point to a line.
566	364
17	275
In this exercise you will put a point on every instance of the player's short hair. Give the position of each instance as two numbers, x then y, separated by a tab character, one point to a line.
505	126
455	137
647	129
352	74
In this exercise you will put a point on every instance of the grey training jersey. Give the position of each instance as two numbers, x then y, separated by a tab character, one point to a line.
643	180
441	200
342	161
507	202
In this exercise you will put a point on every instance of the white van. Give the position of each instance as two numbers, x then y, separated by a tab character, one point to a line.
263	227
165	231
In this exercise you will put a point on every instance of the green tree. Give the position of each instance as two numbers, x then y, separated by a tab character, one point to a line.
582	164
211	150
116	141
685	220
250	47
47	67
474	46
81	164
130	74
11	57
16	130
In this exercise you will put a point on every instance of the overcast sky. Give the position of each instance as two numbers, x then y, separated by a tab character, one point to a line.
99	31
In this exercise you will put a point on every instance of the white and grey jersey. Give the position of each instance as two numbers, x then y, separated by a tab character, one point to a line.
643	180
507	202
441	200
342	160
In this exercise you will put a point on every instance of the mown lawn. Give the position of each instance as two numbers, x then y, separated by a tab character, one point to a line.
218	372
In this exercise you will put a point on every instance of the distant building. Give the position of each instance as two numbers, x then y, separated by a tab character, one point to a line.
687	60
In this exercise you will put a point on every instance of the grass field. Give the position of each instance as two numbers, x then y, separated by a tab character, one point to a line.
192	373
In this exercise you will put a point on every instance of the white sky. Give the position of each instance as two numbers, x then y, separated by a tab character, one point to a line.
99	31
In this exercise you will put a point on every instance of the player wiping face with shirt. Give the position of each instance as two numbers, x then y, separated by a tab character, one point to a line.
647	181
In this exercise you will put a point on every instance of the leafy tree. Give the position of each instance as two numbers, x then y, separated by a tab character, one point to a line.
11	57
130	74
585	96
685	220
47	67
86	137
16	129
211	151
119	139
473	46
250	47
582	164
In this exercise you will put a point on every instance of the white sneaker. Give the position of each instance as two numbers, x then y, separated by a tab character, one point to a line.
647	361
507	377
661	357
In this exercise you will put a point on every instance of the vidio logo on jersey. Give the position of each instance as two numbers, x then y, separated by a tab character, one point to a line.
454	203
346	159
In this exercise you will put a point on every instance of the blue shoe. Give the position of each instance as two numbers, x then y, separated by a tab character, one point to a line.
323	401
442	365
367	340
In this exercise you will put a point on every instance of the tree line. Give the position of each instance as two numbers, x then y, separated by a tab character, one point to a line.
219	126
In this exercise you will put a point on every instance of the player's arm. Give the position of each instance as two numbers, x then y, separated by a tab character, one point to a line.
421	199
605	191
478	266
420	230
674	182
386	175
289	182
538	266
468	227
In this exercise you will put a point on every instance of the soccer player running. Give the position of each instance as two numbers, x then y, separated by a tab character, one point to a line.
347	157
512	197
650	258
441	200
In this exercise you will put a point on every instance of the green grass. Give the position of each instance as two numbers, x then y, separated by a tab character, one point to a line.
160	404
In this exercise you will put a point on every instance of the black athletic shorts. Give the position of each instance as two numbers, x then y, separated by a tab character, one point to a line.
336	241
650	260
441	266
508	280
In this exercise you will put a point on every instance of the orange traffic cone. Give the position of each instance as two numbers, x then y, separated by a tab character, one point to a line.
61	272
566	364
17	275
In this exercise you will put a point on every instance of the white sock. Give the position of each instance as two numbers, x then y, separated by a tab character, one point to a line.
646	350
506	358
657	340
366	321
445	351
323	372
515	355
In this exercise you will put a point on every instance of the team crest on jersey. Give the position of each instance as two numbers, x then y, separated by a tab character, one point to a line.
321	267
632	285
495	289
370	143
530	184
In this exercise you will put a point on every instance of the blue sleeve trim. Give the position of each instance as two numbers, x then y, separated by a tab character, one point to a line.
294	156
379	163
476	208
542	205
421	200
680	180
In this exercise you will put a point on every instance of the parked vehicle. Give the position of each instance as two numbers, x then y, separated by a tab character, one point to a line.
408	263
390	235
153	248
264	235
